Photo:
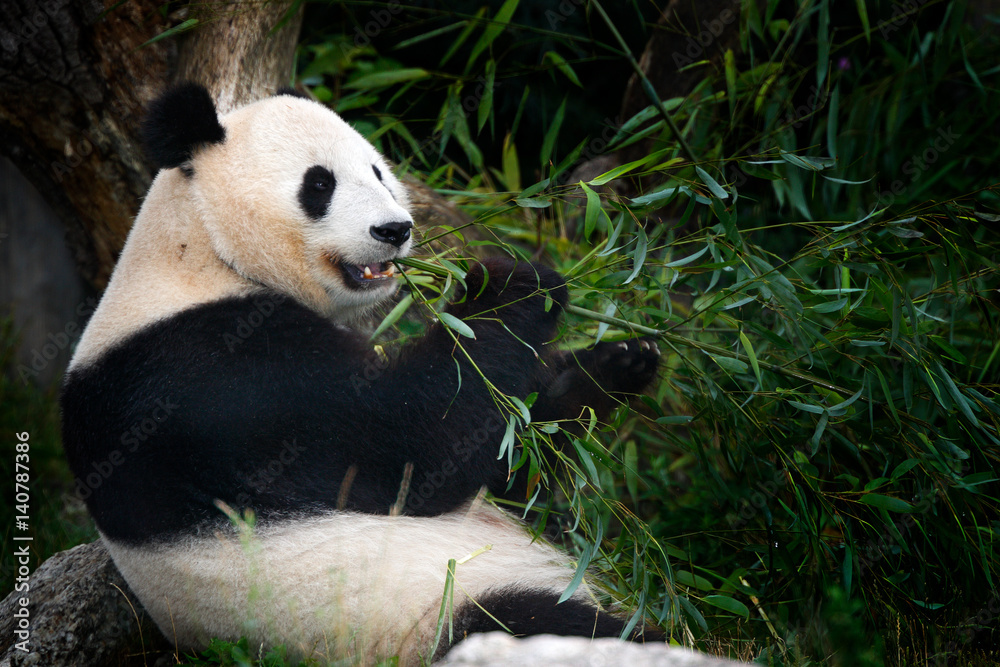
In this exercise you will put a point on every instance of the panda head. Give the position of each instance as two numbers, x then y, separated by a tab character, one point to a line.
290	195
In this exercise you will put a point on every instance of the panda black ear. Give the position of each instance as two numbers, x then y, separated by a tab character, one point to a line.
178	122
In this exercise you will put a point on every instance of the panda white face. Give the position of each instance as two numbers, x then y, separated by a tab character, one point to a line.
296	199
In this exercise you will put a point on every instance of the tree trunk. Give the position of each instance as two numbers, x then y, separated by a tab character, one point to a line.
74	80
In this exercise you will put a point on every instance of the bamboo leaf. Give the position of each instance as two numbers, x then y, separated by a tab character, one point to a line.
549	142
823	43
728	604
748	347
960	401
631	470
729	364
687	260
711	183
522	408
170	32
863	15
387	78
887	503
593	209
485	110
493	30
470	27
563	67
638	255
693	612
456	325
394	314
507	444
730	67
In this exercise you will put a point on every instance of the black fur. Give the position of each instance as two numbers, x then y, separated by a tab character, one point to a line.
178	122
261	403
316	191
534	612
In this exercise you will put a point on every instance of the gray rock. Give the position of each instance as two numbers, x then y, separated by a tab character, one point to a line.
81	613
497	649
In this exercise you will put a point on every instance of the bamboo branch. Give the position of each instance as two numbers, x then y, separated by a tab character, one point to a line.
647	87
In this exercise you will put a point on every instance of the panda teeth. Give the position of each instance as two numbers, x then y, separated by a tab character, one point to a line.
368	273
390	272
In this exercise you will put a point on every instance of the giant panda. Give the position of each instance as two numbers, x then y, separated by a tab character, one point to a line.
259	467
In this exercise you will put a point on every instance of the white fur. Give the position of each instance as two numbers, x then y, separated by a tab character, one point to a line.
237	223
344	585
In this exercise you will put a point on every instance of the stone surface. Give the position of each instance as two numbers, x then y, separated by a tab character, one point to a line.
81	614
497	649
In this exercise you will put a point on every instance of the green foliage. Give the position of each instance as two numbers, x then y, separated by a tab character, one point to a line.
814	479
240	654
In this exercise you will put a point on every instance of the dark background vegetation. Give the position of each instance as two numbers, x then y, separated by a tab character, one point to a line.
814	478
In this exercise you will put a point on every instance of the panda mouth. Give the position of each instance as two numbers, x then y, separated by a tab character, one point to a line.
366	276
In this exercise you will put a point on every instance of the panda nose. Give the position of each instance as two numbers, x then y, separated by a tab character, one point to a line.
395	233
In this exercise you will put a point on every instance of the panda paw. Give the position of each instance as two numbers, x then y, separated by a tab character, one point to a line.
514	289
625	366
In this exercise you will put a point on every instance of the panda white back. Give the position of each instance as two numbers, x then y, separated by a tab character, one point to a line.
219	371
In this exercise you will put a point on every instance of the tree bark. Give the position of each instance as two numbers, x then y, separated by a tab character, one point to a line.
75	78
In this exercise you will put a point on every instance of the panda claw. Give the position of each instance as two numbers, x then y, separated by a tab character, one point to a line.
623	346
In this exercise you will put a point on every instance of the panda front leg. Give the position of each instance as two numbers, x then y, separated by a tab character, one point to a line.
602	377
439	406
513	309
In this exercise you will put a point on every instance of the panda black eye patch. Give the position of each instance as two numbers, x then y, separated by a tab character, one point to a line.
316	191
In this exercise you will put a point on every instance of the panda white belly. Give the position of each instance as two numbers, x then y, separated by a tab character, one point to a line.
340	585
